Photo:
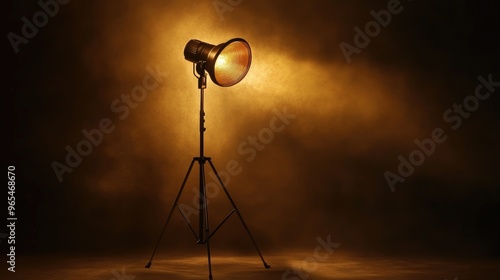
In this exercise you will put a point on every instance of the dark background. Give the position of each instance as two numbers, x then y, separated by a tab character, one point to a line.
321	175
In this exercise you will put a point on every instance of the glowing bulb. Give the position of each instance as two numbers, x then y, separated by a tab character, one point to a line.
221	61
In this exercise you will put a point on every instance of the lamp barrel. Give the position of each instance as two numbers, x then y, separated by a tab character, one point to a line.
196	51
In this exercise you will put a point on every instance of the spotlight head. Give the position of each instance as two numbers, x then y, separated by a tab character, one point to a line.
227	63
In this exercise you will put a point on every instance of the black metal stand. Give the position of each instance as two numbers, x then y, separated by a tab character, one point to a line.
204	234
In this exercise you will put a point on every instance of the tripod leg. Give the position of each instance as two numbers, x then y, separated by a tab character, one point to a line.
238	212
205	213
170	213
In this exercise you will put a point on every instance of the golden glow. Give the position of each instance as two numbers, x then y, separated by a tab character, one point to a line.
334	103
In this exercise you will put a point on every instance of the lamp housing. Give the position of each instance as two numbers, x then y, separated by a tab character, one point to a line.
226	63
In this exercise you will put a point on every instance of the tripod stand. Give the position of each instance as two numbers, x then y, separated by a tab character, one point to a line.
204	233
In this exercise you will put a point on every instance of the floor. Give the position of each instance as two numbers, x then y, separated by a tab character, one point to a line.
293	266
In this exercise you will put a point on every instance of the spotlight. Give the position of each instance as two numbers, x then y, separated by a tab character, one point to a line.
227	63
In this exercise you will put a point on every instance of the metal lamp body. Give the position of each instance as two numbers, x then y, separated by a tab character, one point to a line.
227	63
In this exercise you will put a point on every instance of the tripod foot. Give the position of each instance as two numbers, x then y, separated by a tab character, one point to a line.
148	265
267	266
